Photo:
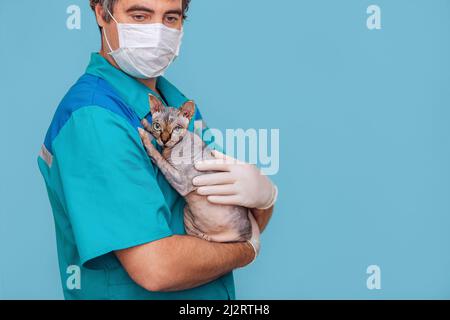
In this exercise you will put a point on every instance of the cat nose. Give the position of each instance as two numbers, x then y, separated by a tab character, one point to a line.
165	137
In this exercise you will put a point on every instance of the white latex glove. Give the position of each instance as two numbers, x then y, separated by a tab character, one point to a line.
254	241
237	183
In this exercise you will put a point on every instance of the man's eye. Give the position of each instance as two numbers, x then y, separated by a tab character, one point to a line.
139	17
171	19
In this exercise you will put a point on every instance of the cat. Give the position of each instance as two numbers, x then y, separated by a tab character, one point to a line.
181	149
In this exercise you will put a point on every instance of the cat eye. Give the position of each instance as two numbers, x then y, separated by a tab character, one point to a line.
178	128
156	126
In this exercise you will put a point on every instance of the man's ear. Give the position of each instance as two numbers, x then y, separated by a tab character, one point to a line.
155	104
188	109
99	14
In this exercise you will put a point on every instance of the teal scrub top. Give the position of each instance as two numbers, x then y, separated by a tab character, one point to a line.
104	191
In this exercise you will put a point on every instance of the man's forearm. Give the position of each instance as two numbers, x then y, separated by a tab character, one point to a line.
194	262
183	262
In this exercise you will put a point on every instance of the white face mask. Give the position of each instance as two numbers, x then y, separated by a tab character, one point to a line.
146	50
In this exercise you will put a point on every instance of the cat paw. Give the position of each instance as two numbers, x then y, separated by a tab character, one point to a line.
145	137
146	125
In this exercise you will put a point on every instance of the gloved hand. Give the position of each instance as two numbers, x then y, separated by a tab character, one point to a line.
238	183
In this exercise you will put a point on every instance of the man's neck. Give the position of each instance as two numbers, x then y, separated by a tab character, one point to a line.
149	83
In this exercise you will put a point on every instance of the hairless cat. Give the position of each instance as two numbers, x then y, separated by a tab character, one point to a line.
181	149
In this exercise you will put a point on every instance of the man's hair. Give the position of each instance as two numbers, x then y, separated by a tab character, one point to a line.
109	4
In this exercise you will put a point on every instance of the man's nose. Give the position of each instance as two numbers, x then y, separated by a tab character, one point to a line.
157	18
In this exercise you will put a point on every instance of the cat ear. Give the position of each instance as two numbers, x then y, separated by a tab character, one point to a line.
155	104
188	109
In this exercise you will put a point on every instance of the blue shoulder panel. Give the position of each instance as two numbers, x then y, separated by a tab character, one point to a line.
88	91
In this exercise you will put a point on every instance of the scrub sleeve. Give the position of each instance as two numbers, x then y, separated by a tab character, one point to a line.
109	184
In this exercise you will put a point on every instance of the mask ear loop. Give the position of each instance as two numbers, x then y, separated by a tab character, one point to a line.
104	32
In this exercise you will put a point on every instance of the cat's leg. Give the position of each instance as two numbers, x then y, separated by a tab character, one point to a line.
190	226
242	223
173	176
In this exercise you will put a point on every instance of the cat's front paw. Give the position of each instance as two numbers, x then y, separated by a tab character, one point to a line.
146	140
144	136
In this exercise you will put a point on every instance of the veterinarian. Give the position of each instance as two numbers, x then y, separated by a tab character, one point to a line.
117	220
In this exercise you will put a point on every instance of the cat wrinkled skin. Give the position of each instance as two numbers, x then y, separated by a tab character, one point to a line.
181	150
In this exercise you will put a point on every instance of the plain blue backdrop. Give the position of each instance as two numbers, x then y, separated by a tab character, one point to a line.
364	136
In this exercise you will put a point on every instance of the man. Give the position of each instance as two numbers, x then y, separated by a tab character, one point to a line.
116	216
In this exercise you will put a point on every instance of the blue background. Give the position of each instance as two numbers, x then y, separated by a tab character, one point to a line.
364	125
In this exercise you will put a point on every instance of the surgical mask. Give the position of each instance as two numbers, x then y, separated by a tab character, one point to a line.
146	50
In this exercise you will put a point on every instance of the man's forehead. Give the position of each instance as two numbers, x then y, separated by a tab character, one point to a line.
151	4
